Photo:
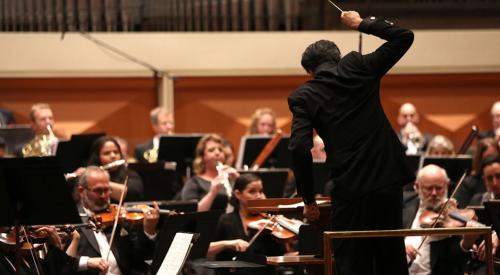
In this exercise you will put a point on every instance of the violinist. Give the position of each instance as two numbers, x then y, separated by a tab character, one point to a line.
55	261
207	186
131	246
445	256
232	233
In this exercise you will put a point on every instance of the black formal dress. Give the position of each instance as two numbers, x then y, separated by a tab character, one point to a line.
342	103
230	227
135	190
446	256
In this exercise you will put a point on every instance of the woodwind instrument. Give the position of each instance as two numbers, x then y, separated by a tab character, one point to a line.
268	149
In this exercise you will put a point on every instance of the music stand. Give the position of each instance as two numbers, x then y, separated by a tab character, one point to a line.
454	166
15	137
179	149
74	153
34	192
251	146
159	183
273	180
203	223
492	209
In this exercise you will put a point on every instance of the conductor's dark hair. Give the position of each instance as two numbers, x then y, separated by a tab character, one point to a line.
322	51
240	184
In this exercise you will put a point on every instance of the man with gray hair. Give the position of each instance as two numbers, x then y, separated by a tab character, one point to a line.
162	123
436	255
131	246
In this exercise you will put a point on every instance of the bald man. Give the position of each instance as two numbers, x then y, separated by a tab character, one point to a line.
409	134
495	119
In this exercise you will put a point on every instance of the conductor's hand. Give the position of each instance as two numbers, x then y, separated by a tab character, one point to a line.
351	19
311	212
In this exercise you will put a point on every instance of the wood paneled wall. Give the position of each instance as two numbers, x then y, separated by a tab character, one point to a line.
117	106
448	103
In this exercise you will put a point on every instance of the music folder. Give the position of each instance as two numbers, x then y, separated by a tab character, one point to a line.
159	182
179	149
15	137
251	146
454	166
203	223
75	153
492	209
273	180
33	191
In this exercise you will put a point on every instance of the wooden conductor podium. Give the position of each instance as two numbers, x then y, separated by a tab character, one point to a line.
292	208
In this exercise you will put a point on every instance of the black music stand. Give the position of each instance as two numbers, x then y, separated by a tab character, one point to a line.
15	137
159	182
203	223
179	149
251	146
34	192
454	166
273	180
492	209
75	153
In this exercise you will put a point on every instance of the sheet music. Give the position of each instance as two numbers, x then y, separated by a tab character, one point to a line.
176	254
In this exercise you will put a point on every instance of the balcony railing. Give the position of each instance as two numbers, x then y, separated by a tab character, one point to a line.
235	15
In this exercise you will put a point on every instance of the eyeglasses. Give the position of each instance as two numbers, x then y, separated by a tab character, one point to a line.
100	191
489	178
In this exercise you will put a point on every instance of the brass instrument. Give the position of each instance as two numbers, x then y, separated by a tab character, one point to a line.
151	155
41	146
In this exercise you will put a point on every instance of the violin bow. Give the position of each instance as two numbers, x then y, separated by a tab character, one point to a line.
441	211
252	240
116	217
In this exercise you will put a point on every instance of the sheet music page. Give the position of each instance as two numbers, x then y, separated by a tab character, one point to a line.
176	254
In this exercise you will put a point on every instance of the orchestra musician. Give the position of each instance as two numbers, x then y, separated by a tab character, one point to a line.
162	123
446	256
263	122
232	234
207	186
56	261
131	246
495	121
473	183
45	141
365	156
440	146
106	150
409	134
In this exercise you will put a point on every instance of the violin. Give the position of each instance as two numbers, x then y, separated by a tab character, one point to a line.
451	217
129	214
278	225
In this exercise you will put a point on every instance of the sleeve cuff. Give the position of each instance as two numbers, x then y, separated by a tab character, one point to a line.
82	263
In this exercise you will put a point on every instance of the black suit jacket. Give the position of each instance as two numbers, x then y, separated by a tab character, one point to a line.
130	248
447	258
342	104
141	148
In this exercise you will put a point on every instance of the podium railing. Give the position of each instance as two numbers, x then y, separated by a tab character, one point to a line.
329	235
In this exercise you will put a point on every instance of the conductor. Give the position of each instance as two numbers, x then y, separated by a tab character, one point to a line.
364	154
